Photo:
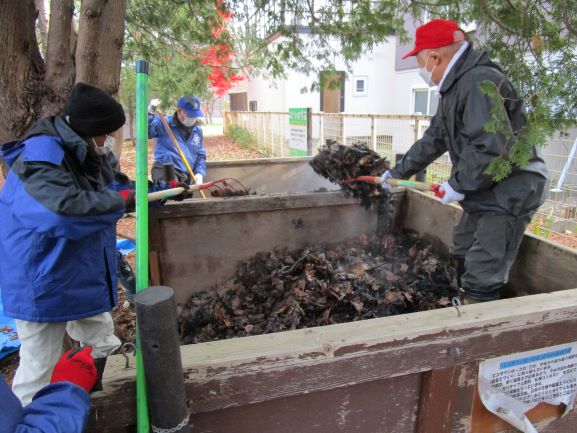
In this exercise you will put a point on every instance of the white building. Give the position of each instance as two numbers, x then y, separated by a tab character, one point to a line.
380	82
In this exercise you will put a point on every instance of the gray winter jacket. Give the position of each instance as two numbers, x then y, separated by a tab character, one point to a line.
458	127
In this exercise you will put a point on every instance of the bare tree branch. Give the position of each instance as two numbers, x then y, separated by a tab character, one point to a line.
496	20
566	19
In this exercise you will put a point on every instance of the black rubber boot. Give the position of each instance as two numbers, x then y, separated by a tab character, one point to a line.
126	277
485	294
100	363
458	264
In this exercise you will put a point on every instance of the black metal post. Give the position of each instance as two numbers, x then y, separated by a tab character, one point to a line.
160	347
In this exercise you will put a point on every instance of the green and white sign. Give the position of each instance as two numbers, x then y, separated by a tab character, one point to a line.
298	132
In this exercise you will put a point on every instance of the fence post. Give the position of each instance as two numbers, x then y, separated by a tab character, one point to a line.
322	129
342	130
373	133
263	120
259	134
309	131
271	134
417	129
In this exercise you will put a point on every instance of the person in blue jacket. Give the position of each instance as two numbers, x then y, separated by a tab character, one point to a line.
60	407
58	212
185	125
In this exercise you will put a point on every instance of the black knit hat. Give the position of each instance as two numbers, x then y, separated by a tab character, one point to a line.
91	112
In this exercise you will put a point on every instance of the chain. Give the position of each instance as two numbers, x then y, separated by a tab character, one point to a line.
456	301
179	427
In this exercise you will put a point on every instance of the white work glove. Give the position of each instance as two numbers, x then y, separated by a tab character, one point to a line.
152	106
386	175
450	194
198	179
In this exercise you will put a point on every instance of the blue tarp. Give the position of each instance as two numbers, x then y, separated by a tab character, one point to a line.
125	246
8	339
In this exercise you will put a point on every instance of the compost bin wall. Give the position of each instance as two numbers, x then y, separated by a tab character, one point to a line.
406	373
271	175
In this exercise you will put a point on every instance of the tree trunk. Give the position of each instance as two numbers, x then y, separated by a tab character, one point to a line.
99	47
22	87
131	118
42	24
60	69
29	88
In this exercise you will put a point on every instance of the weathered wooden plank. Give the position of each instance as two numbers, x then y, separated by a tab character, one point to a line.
251	203
437	396
380	406
542	266
154	262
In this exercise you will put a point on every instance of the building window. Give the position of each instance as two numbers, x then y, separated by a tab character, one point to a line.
425	101
360	86
252	105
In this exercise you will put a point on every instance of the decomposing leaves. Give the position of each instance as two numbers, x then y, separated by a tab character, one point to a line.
320	285
338	163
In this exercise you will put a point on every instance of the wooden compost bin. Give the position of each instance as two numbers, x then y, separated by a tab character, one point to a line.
402	374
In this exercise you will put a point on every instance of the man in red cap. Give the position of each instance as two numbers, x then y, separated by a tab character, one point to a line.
487	238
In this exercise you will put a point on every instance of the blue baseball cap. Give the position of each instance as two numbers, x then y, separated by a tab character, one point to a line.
191	105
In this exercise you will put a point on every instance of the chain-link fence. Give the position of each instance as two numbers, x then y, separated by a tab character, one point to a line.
391	135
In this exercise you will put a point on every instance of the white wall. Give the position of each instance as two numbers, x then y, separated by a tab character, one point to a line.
402	95
378	66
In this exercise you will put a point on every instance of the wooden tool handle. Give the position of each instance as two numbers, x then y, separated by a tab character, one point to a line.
171	192
422	186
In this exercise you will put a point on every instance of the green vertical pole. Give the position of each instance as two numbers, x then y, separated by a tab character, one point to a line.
142	418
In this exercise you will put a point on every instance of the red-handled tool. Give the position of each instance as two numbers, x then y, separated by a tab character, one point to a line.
421	186
219	188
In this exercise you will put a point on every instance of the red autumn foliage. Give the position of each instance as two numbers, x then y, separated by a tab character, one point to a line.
219	57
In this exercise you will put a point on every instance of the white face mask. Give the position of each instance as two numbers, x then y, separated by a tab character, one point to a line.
189	121
426	75
106	147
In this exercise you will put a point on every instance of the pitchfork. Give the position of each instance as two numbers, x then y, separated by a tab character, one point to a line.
218	187
422	186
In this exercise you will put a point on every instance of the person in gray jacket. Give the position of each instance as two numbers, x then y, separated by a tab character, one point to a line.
487	238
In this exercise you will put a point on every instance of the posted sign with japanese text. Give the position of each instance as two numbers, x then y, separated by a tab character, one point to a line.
511	385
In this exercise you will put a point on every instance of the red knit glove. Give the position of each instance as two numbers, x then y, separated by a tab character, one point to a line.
177	184
129	199
76	367
435	188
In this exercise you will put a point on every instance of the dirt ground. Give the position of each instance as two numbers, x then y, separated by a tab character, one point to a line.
217	148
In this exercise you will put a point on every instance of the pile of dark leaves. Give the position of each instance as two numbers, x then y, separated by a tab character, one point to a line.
338	163
322	285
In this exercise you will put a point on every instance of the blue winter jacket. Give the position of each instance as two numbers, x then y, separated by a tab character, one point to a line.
58	408
165	151
58	217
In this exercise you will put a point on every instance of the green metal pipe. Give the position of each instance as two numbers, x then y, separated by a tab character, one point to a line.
142	417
